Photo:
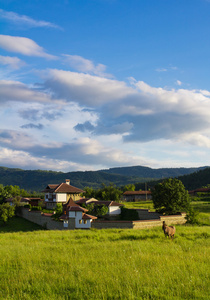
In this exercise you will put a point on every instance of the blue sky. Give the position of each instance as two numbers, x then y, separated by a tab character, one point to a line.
86	85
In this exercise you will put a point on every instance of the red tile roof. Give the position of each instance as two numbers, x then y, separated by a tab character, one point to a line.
137	193
204	190
64	217
62	188
88	217
72	206
86	201
107	203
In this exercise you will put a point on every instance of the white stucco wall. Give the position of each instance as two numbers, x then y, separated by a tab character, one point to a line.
61	197
114	210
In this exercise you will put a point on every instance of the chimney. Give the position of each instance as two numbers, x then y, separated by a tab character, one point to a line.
68	181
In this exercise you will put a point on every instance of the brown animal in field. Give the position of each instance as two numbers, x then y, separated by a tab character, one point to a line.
168	230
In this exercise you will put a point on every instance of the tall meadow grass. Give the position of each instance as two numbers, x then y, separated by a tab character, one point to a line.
105	264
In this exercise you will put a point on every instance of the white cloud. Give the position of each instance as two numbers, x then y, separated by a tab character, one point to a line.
178	82
24	46
149	113
86	89
197	139
84	151
21	159
85	65
17	91
25	20
12	62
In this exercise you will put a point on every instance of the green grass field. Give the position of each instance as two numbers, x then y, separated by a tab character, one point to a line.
103	264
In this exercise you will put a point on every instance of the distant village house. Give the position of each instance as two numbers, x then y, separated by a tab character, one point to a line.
135	196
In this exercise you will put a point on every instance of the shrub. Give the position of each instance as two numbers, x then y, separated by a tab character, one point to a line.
36	208
128	214
58	211
192	216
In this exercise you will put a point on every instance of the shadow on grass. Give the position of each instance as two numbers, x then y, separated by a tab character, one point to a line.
16	224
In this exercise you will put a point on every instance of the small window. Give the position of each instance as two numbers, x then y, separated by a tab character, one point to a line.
80	221
85	221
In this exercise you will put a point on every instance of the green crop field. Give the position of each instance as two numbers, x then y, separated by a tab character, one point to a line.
103	264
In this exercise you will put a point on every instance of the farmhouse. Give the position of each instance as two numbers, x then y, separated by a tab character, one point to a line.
31	201
134	196
71	210
200	190
60	193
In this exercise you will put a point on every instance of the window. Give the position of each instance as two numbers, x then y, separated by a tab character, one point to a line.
85	221
80	221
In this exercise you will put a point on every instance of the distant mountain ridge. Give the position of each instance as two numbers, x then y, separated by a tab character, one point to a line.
37	180
147	172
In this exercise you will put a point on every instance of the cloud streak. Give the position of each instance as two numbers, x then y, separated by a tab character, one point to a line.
24	46
84	65
25	20
12	62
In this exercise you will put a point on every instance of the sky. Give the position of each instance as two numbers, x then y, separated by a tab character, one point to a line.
96	84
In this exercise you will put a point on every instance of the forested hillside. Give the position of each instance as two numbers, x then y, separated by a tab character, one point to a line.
196	180
36	180
145	172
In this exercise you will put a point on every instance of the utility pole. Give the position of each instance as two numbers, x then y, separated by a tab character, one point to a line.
146	189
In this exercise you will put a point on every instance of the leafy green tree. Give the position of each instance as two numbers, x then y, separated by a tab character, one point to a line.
110	192
96	210
4	194
101	210
129	187
170	197
89	192
6	211
58	210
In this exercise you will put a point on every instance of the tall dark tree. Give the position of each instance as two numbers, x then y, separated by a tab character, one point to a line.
170	197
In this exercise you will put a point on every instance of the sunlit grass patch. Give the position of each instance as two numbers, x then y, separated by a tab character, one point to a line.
105	264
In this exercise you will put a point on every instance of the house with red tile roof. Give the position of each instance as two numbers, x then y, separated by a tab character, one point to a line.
200	190
71	210
60	193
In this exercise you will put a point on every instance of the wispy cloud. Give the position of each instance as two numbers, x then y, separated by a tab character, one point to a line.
178	82
24	46
166	69
25	20
84	65
161	70
12	62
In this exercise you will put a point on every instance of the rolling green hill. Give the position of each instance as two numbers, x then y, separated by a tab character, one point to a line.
36	180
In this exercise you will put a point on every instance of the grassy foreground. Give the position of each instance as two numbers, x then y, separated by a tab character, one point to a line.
105	264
